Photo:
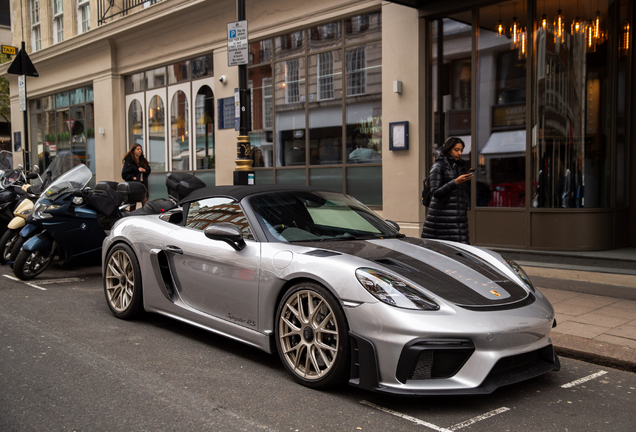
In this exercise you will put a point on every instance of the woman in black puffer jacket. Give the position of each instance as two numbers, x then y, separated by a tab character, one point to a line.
447	217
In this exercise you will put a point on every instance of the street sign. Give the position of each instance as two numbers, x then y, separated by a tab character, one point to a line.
9	50
22	92
17	69
237	47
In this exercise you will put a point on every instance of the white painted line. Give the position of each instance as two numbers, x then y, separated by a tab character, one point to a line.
406	417
62	280
585	379
26	283
479	418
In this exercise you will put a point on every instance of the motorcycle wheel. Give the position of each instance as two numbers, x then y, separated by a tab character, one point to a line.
29	264
16	249
8	240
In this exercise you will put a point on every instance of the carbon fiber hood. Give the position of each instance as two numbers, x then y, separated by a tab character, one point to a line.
450	272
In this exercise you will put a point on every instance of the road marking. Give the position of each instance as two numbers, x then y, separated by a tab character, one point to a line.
435	427
43	282
479	418
62	280
584	379
406	417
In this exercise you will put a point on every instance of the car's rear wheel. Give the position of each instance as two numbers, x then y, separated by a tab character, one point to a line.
122	283
312	336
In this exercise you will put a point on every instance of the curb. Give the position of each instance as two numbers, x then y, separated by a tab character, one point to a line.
591	351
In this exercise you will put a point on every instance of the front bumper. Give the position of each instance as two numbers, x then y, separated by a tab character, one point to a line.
508	370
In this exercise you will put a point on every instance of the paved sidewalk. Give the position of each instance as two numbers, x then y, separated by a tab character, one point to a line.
595	321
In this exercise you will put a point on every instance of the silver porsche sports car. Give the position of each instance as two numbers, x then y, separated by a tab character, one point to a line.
336	290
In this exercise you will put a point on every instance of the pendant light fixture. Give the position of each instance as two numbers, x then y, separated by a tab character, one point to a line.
514	28
500	25
559	26
544	18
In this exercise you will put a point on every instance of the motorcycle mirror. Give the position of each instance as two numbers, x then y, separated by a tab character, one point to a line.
36	168
19	166
32	175
77	193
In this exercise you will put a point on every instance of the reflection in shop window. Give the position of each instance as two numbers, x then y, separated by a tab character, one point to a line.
261	136
135	124
156	135
179	132
292	92
571	162
204	115
501	140
356	71
325	75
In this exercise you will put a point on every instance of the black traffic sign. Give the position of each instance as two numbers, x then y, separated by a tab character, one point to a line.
17	67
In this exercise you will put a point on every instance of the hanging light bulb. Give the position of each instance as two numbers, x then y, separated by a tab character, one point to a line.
544	19
514	28
523	44
597	25
590	40
559	27
577	26
500	25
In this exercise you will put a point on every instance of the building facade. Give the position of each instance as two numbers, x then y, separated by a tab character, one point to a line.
543	104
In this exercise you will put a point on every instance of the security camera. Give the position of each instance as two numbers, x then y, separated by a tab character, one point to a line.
223	79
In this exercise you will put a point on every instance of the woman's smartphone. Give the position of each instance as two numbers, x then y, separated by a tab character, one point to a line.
472	170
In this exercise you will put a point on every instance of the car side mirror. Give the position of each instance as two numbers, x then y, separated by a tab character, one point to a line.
393	225
227	232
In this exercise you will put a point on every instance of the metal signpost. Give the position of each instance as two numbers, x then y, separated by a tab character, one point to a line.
23	67
238	55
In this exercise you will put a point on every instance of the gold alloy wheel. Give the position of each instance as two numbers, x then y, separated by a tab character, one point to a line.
308	334
120	281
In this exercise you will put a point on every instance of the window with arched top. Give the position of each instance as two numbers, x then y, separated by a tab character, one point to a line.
135	124
179	132
156	134
204	125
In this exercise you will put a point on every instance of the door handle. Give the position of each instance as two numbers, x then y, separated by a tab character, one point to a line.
174	249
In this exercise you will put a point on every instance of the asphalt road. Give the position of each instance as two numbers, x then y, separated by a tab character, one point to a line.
66	364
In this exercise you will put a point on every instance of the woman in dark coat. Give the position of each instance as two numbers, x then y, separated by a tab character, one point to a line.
136	168
447	217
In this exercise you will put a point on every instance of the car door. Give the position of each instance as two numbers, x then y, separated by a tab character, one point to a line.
211	275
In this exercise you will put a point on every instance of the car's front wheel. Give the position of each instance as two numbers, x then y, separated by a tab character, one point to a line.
312	336
122	283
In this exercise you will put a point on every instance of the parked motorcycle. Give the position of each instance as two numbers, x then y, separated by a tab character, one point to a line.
10	241
68	221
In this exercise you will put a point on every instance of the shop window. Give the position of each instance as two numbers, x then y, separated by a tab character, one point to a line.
290	113
204	124
571	149
324	36
292	82
501	140
135	83
260	52
325	108
202	66
155	78
363	27
290	44
156	135
179	132
83	16
261	135
135	124
179	72
356	71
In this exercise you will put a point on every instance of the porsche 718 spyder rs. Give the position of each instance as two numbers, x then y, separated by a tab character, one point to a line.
336	290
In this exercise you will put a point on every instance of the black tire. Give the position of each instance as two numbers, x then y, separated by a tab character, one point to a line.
7	241
29	264
320	330
122	283
16	249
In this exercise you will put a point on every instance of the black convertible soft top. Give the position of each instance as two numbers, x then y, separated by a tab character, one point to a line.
240	192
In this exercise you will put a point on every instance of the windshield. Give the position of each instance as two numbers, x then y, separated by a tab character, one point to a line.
317	216
76	178
6	160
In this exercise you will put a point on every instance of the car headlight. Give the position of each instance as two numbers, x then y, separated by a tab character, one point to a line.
521	273
393	291
39	211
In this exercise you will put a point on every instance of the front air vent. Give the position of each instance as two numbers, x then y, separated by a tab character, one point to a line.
433	359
